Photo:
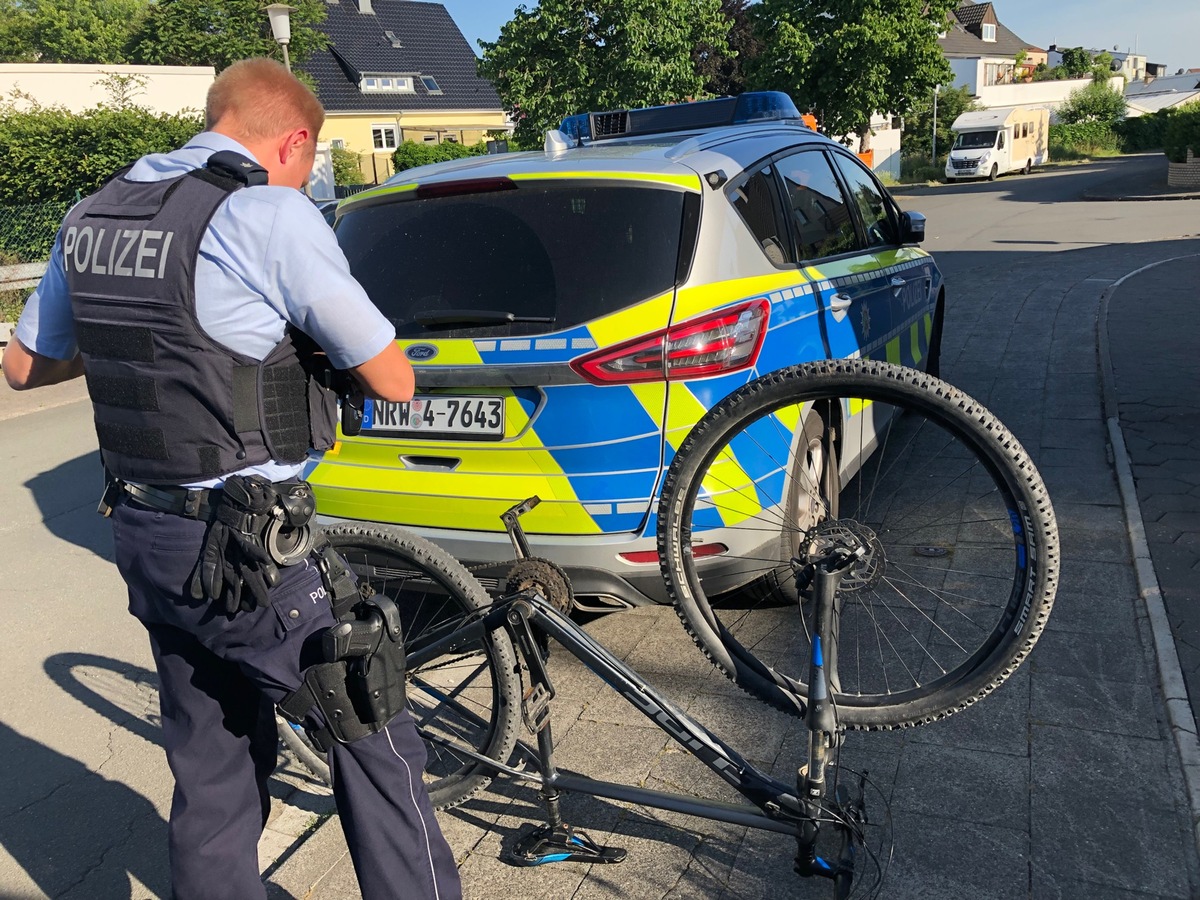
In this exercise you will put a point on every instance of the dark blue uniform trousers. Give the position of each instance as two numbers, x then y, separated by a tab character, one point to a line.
219	678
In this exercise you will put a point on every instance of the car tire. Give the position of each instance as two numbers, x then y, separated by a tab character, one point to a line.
992	175
1028	167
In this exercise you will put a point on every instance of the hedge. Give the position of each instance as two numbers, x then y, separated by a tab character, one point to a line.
410	154
1182	132
49	154
1082	139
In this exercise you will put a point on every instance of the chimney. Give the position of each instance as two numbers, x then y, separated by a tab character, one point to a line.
364	8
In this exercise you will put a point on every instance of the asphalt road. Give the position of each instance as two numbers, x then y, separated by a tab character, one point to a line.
1064	784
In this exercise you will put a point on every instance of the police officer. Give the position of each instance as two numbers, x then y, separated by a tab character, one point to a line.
180	288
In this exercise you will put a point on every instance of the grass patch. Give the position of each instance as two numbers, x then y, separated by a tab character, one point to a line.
11	304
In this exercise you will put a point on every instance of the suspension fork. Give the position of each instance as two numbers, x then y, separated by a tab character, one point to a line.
820	717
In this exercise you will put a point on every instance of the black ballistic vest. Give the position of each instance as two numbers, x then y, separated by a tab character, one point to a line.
173	406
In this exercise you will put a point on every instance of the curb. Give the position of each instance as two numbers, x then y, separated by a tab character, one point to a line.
1138	198
1179	711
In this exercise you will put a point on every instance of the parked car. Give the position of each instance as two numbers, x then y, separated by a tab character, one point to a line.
572	313
327	209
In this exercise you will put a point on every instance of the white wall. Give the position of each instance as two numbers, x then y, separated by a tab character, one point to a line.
885	140
1045	94
168	89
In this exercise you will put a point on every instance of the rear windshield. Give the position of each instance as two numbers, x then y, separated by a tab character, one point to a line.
514	262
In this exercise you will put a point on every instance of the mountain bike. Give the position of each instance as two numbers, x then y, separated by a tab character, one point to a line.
859	544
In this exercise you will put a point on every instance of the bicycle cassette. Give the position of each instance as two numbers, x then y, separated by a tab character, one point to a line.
544	577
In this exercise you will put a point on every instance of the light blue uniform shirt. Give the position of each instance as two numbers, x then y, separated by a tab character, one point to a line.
267	259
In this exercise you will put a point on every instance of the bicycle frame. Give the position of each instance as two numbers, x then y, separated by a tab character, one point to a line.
776	807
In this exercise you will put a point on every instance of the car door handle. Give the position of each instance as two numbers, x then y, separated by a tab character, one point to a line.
898	282
840	302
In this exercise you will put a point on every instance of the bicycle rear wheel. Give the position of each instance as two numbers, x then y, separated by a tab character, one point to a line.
960	561
469	698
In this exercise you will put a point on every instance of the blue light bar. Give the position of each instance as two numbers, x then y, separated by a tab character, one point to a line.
756	106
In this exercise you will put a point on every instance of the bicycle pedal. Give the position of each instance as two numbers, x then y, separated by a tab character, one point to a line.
535	707
563	844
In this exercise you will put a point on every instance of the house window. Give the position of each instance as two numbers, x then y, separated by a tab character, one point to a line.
429	138
431	84
383	82
337	144
989	32
384	137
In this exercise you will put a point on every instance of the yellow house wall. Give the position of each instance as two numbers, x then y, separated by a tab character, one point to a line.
465	126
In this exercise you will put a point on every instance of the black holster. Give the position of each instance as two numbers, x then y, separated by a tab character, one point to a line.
360	687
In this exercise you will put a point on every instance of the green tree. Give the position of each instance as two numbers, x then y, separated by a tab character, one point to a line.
67	31
1096	102
917	139
346	169
571	56
849	59
1076	62
724	74
220	32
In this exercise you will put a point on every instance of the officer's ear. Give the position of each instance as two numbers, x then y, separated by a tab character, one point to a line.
295	143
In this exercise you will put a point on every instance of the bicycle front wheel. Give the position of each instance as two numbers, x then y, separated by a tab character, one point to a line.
959	560
469	698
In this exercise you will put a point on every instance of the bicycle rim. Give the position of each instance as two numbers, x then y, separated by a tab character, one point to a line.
959	544
467	698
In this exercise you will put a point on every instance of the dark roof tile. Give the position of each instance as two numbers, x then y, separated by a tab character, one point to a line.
430	44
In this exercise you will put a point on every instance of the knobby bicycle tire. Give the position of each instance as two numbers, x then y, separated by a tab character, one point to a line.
470	697
961	561
294	738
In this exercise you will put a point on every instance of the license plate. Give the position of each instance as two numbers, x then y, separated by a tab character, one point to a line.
438	416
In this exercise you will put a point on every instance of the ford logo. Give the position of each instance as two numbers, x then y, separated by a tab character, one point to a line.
421	352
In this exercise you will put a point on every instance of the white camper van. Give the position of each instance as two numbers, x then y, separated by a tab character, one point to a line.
992	142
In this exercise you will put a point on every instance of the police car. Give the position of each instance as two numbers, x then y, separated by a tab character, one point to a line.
571	314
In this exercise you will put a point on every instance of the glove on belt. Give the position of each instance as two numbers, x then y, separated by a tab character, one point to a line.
236	566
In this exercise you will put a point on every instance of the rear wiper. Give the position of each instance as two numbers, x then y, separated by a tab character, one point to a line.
474	317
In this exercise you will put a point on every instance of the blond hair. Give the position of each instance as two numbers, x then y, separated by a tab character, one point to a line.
256	99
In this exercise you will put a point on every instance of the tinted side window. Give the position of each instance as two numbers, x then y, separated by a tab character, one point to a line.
872	207
821	220
757	200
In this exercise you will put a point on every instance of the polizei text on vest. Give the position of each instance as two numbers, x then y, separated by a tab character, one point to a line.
128	252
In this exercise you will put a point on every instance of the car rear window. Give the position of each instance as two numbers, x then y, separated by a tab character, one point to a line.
514	262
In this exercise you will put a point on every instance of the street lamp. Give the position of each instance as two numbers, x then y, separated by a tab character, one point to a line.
936	89
281	27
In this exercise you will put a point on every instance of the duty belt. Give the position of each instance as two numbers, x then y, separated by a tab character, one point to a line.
191	503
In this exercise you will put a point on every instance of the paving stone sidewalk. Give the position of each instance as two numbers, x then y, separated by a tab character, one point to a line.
1154	338
1063	784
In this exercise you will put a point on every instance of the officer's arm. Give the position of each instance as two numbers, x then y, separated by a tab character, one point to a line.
387	375
24	369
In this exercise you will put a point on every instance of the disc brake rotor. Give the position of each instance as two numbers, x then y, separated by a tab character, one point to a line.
866	570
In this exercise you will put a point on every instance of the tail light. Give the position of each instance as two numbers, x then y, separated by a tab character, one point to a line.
646	557
713	344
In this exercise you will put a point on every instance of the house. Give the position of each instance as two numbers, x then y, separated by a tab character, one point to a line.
1130	65
77	87
981	50
399	70
1150	95
983	55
